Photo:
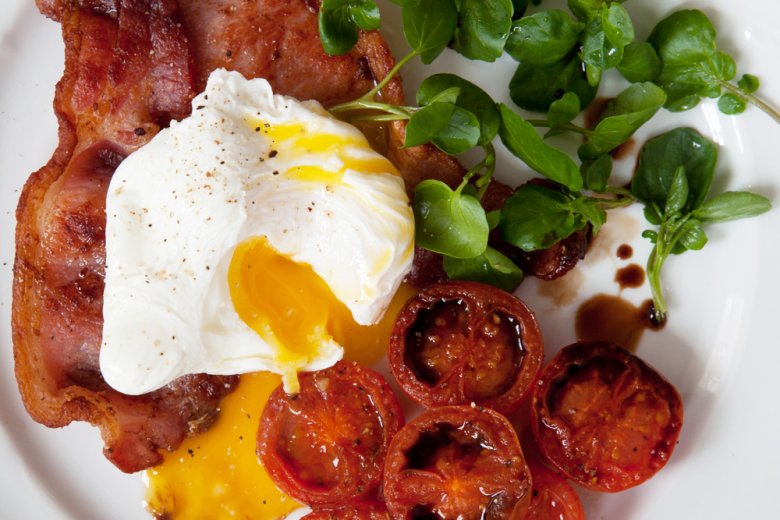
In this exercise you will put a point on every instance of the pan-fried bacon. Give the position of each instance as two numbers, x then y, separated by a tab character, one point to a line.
130	67
127	73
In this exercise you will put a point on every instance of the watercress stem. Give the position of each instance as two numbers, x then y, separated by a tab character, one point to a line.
489	163
360	104
620	202
379	86
543	123
753	100
621	192
380	118
654	263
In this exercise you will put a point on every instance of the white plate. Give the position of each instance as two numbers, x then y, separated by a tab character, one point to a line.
719	349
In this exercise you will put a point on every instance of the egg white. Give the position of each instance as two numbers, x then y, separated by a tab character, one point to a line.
178	207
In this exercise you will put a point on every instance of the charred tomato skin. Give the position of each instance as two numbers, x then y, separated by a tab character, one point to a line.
457	462
326	445
459	342
603	417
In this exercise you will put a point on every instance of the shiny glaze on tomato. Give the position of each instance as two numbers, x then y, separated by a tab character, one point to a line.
459	462
327	444
460	342
603	417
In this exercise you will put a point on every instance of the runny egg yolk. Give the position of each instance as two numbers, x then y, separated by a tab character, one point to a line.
286	303
216	475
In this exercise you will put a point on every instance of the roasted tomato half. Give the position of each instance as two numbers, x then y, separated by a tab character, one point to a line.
552	498
327	444
459	462
603	417
461	342
363	510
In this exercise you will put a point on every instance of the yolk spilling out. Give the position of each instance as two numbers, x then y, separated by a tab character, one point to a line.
293	309
284	302
216	475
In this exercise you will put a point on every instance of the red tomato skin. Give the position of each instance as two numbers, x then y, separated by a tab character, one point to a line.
460	342
326	445
603	417
552	498
457	462
363	510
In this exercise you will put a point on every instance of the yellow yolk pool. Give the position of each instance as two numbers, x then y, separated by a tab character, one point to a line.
216	475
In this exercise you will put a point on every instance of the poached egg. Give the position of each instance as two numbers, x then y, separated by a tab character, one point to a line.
248	237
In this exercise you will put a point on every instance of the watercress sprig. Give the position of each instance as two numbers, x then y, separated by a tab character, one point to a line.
692	67
673	180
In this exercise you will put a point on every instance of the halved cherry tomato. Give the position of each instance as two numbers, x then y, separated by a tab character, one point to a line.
456	462
552	498
461	342
603	417
327	444
363	510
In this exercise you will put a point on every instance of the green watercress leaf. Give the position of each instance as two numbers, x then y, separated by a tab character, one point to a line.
640	62
524	142
429	25
471	98
520	7
536	217
692	236
586	10
448	222
449	127
598	50
730	104
692	67
624	115
339	20
678	192
493	218
563	110
446	95
653	214
748	83
536	88
543	38
491	267
732	205
658	162
617	25
596	173
367	17
483	28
